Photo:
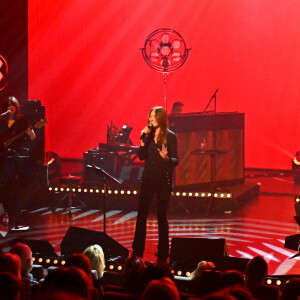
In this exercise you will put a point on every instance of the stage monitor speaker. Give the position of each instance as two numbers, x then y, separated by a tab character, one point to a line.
188	252
231	263
40	247
78	239
292	242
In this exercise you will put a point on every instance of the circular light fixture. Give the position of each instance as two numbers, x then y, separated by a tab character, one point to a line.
165	50
3	72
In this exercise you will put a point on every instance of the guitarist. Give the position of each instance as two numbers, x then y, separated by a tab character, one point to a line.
12	123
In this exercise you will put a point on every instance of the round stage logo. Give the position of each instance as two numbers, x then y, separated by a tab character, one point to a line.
3	72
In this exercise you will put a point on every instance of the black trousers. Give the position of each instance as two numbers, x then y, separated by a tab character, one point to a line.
147	194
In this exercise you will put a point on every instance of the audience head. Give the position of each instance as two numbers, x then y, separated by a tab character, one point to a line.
10	263
256	271
10	286
232	277
163	288
291	290
80	261
156	271
133	271
96	256
202	266
25	254
219	296
134	264
71	283
239	292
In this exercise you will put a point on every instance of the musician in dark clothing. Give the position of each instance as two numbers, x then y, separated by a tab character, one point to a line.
14	129
159	150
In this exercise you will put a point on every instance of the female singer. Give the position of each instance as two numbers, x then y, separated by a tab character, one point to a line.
159	150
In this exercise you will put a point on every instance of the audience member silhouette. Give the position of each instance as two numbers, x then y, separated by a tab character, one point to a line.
256	273
163	288
291	290
202	266
96	256
69	283
155	271
10	286
25	255
10	263
133	271
80	261
231	278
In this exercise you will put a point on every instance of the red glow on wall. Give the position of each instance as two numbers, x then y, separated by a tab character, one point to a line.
86	67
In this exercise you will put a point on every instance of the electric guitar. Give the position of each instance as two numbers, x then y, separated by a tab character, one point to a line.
6	141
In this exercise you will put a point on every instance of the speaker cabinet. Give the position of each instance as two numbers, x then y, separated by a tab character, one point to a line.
78	239
188	252
34	111
40	247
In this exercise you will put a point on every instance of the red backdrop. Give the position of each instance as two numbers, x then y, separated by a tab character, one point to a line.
86	67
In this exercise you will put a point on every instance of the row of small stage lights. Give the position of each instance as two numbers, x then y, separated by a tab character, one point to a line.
135	192
118	268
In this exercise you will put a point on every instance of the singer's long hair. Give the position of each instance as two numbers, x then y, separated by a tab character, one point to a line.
14	102
162	120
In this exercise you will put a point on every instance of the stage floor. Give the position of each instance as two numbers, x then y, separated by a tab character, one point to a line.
258	227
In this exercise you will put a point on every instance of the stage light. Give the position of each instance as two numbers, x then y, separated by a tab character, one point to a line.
269	281
120	268
67	190
109	191
297	207
85	190
55	261
184	194
61	189
278	282
50	188
111	267
79	190
179	273
116	192
48	261
296	167
40	260
91	191
63	262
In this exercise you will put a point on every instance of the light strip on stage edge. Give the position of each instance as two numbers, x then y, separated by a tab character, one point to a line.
135	192
118	268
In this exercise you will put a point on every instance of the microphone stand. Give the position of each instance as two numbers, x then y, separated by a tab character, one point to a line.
214	96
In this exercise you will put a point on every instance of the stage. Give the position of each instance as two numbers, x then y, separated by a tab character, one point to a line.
250	226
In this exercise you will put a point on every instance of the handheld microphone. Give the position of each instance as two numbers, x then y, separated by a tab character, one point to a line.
5	113
144	135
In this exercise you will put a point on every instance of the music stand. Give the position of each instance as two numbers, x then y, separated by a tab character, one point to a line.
106	177
212	154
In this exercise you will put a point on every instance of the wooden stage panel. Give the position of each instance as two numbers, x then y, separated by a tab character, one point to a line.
222	131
